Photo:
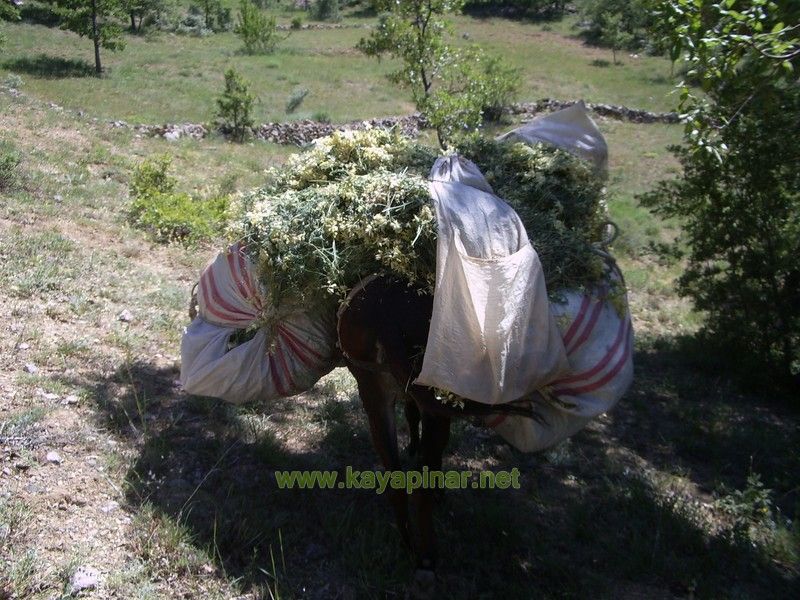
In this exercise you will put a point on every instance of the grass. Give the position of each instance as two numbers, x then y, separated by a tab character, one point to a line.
35	262
176	78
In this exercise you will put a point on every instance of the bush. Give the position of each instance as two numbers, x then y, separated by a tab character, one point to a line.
235	106
738	198
326	10
172	216
39	13
453	87
475	86
10	161
12	80
741	223
194	24
258	31
497	85
617	24
296	99
539	9
152	176
297	23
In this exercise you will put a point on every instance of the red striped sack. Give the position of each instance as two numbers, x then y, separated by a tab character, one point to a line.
289	360
598	341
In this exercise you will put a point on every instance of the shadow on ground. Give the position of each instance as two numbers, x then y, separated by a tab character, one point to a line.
588	521
684	416
49	67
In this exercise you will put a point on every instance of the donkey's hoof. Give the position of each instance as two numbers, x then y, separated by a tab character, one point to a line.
422	586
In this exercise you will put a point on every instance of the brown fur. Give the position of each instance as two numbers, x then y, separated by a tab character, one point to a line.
383	329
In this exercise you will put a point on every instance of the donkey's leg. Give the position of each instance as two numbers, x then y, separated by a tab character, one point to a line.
378	403
413	419
435	434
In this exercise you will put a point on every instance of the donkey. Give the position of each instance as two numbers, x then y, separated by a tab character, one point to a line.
383	329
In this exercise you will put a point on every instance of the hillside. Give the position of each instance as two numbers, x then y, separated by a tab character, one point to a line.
687	489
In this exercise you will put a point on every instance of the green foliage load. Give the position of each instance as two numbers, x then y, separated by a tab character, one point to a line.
358	203
560	199
337	213
739	195
235	106
259	31
172	216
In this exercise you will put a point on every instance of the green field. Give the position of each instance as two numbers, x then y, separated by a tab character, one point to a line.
172	78
688	489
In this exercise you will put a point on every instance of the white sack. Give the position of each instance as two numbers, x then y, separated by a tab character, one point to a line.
492	337
599	347
289	360
228	293
263	368
570	129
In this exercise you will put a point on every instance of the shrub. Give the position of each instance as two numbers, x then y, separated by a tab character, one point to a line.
39	13
738	197
474	87
215	16
152	176
258	31
451	86
296	99
12	80
321	117
539	9
180	217
223	19
172	216
325	10
193	24
496	86
235	105
10	160
297	23
617	24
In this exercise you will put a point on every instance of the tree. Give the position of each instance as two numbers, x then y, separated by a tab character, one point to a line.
617	24
258	31
8	12
95	19
235	106
138	10
739	196
540	9
325	10
450	86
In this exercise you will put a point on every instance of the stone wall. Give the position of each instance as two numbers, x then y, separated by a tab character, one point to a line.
304	131
623	113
